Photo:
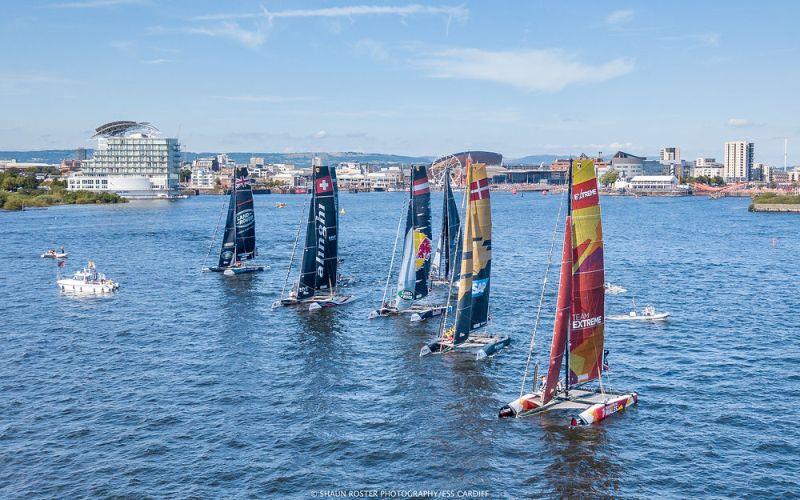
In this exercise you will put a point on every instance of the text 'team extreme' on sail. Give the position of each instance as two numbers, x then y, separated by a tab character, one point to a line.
318	283
447	258
578	331
472	308
238	247
415	266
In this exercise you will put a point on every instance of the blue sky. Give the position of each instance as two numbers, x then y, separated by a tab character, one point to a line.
526	77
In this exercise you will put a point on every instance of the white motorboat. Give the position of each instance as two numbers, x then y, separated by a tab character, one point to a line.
612	289
87	281
648	314
55	254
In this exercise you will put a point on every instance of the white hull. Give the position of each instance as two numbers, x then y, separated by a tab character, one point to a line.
55	255
77	287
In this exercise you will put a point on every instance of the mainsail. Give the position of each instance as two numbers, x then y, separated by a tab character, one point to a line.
320	255
447	259
580	307
412	282
472	311
239	239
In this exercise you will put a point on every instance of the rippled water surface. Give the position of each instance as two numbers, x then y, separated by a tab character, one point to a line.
189	384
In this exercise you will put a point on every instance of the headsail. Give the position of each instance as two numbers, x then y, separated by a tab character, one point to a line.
239	239
561	326
588	293
412	282
473	287
320	255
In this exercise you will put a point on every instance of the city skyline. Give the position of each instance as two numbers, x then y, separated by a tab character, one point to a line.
405	78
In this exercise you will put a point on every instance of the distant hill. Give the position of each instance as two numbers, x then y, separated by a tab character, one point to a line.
534	160
300	159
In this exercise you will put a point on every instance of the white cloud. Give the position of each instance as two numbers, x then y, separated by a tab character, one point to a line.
157	61
260	98
233	31
371	48
619	17
455	12
320	135
533	70
92	4
742	122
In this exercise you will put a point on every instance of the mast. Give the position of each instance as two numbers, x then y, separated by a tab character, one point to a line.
235	215
569	309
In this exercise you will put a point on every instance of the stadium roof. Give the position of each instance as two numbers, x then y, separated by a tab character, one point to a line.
115	129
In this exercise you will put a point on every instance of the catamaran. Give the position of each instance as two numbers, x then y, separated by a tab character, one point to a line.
318	283
579	321
238	247
472	309
412	281
447	259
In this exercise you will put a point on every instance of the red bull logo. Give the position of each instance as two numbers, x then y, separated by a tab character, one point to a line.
423	245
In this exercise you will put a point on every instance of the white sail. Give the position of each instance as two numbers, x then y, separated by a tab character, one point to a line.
407	280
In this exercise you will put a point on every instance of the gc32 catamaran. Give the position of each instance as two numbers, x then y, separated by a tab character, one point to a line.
238	247
578	332
318	283
472	309
412	281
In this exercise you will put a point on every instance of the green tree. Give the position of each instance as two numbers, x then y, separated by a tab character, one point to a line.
185	175
610	177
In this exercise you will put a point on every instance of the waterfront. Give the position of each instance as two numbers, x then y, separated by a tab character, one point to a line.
189	384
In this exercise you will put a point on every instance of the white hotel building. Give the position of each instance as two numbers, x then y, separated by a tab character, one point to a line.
132	161
738	161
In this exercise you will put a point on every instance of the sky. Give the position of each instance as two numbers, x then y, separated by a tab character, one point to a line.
520	78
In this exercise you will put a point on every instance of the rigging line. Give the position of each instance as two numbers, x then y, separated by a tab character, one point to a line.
394	252
296	239
214	235
541	297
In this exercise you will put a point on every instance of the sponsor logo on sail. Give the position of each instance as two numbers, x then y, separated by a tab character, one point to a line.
323	185
586	321
322	235
245	219
422	244
479	287
227	255
406	294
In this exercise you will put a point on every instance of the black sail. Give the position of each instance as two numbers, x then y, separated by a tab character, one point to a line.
245	216
239	238
452	226
416	265
320	255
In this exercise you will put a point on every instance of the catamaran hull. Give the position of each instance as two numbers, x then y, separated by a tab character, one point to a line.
233	271
601	411
482	347
417	313
316	303
593	406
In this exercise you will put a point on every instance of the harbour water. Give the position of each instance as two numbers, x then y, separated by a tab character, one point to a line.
190	384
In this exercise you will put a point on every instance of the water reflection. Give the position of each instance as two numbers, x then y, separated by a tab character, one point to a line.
582	463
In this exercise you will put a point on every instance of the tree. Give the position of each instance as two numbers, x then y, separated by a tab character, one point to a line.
185	175
610	177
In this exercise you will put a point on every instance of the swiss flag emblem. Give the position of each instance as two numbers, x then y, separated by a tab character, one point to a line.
324	185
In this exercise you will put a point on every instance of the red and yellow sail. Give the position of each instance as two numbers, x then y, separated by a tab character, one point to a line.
587	314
